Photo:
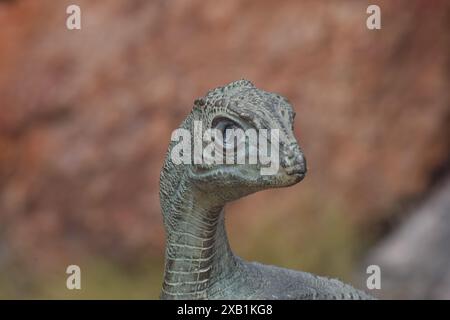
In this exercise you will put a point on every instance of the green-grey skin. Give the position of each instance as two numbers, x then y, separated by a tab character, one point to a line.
199	262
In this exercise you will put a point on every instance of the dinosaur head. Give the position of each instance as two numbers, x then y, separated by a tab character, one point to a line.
230	110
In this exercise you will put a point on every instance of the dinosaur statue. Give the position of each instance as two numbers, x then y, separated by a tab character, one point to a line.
199	263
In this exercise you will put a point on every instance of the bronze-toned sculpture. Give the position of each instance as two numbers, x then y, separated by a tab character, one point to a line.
199	262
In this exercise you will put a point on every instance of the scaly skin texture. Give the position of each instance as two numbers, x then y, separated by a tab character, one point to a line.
199	262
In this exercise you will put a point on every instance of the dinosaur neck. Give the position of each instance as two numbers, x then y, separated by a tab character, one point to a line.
197	248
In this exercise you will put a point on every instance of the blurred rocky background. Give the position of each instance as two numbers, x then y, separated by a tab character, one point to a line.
86	116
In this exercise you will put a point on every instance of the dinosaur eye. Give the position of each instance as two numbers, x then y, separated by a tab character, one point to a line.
227	129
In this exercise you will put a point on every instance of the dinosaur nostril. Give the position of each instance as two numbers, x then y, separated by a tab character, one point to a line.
301	162
295	162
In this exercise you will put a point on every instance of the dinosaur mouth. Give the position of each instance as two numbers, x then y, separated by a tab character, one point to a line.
296	171
297	176
204	173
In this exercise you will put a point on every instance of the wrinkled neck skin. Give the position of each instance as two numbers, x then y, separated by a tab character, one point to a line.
197	248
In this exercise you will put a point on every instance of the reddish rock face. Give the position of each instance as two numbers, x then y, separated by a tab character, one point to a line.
86	115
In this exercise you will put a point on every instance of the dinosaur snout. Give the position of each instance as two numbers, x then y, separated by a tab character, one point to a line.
294	161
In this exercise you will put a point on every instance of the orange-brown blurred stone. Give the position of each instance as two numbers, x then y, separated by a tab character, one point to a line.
86	115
